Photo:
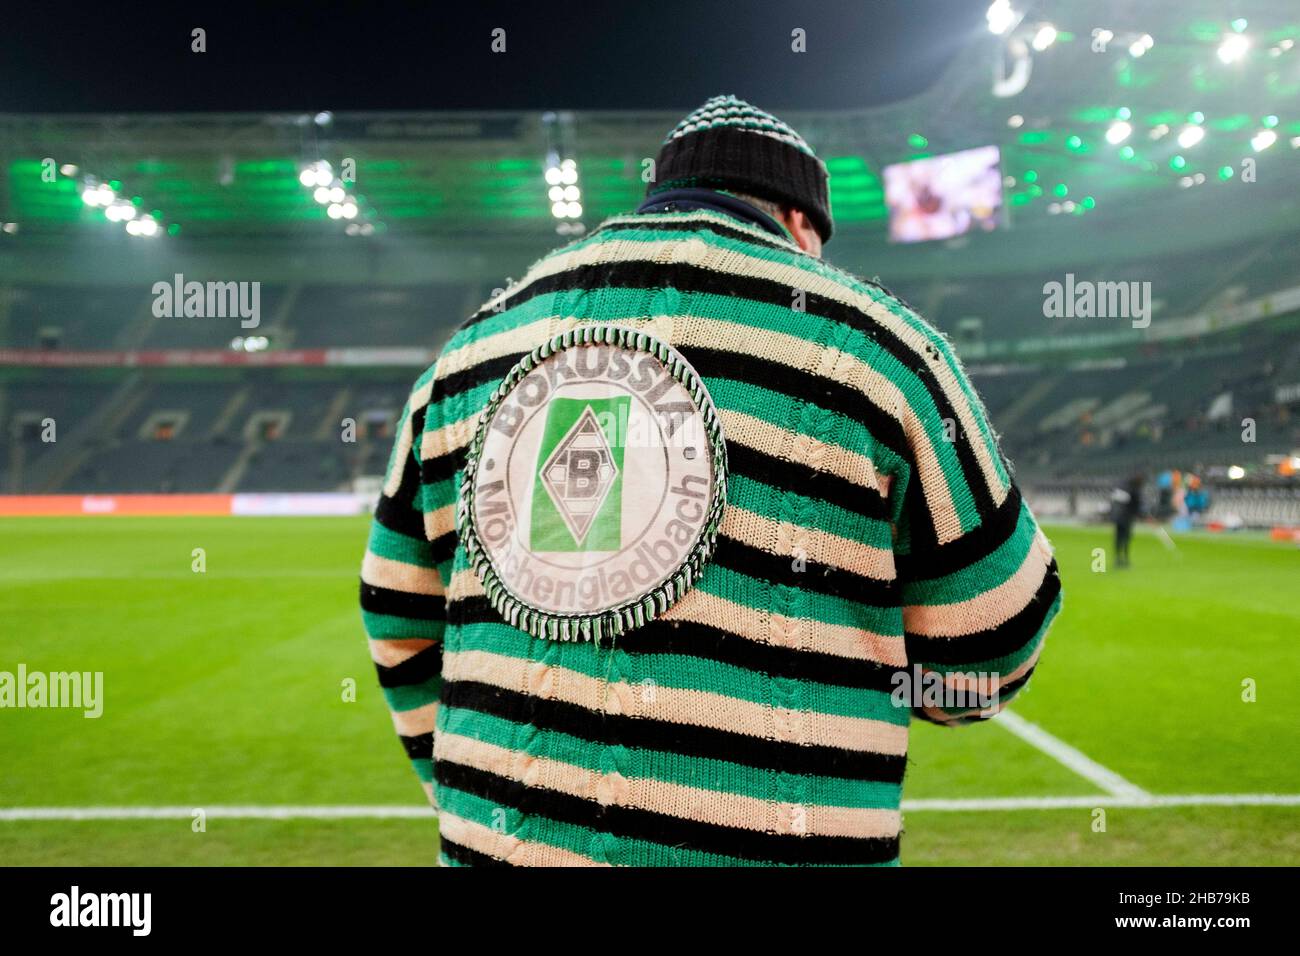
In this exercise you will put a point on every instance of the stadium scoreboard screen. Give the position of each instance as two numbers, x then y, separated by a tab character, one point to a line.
941	197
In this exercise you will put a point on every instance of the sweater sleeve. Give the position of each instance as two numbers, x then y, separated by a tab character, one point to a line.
402	600
978	579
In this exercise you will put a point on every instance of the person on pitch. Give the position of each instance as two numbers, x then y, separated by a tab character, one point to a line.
672	524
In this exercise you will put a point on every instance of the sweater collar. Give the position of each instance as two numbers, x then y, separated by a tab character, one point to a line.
693	198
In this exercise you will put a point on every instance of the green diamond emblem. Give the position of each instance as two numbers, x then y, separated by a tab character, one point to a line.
579	475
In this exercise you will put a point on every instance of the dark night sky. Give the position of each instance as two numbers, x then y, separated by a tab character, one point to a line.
648	54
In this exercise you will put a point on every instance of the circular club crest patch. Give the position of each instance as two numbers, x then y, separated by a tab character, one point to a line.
594	484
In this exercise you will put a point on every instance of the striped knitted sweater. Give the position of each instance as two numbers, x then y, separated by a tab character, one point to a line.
872	536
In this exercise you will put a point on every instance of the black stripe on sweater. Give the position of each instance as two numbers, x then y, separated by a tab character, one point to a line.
810	576
489	370
465	856
638	824
400	516
992	643
417	607
806	481
420	668
418	747
686	739
922	534
443	547
400	512
926	560
803	386
443	467
688	639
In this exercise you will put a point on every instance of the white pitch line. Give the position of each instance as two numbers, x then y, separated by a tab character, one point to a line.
1100	800
222	812
1167	541
1076	760
393	812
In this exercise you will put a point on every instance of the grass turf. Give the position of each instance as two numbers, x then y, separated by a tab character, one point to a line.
226	687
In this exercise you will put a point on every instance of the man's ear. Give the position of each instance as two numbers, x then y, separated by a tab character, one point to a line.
801	227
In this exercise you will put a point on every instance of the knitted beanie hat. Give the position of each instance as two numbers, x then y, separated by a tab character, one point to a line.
729	143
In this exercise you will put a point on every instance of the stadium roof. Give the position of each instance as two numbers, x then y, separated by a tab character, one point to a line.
428	181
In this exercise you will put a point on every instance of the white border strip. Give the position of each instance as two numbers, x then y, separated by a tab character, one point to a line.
1076	760
393	812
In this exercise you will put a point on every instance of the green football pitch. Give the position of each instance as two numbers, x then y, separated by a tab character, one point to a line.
224	691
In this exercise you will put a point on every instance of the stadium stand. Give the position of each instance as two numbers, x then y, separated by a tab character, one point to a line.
43	317
1178	404
1150	412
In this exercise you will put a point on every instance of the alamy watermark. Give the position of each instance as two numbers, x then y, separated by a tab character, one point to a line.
83	690
208	300
1083	299
960	690
75	908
